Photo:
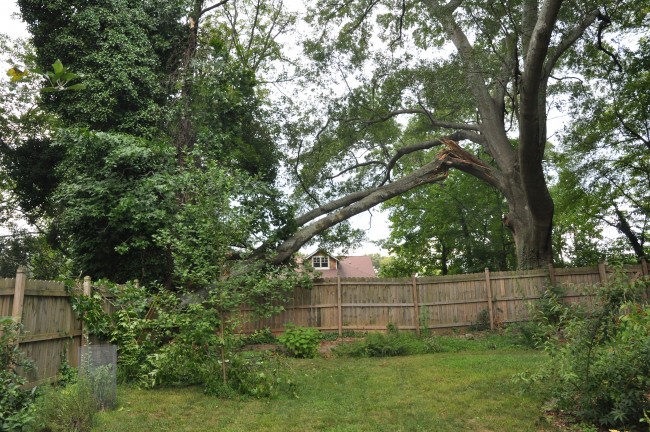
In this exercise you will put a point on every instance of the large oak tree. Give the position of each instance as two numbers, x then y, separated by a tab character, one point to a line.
491	93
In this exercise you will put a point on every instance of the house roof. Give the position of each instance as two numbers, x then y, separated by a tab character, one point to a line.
352	267
323	252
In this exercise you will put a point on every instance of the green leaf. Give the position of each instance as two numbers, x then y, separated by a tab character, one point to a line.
69	76
57	66
79	86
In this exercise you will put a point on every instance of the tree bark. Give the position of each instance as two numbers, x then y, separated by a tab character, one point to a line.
624	226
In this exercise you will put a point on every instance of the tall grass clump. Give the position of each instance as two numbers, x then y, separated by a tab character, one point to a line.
66	409
390	344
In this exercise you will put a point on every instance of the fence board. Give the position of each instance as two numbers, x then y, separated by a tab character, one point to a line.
443	302
51	331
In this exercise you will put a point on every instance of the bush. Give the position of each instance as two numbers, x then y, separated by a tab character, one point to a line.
301	342
256	374
550	316
66	409
482	321
15	403
174	365
389	345
600	369
264	336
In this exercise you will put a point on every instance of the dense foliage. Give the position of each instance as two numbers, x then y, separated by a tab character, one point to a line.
115	193
114	158
167	340
15	402
450	229
301	342
124	55
599	365
605	158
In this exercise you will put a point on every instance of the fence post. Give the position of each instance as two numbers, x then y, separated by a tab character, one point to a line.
416	305
551	274
602	272
87	289
488	290
644	267
19	294
338	305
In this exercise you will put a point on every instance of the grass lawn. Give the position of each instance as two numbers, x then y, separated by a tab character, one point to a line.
462	391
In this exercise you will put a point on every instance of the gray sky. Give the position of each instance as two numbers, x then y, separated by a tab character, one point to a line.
8	24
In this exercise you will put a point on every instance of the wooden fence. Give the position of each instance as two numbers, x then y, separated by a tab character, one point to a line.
435	303
51	329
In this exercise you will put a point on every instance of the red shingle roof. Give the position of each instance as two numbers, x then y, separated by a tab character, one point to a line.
352	267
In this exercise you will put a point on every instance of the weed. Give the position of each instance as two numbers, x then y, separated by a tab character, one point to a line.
256	374
300	342
67	409
388	345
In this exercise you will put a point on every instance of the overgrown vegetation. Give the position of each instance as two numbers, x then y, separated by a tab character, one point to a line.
165	339
396	343
301	342
15	403
70	408
599	356
255	374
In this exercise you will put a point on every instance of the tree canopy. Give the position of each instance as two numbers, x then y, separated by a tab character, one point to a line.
385	99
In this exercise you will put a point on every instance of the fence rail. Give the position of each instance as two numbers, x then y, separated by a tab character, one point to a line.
52	331
434	303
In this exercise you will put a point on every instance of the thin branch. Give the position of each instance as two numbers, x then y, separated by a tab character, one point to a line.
400	25
209	8
604	23
355	166
364	15
630	130
303	186
422	110
254	25
571	38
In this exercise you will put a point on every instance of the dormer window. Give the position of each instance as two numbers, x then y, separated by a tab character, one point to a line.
320	262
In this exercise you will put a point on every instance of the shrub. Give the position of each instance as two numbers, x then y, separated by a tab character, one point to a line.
388	345
15	403
301	342
482	321
66	409
264	336
256	374
600	371
174	365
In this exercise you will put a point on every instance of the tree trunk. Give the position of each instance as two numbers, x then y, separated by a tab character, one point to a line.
531	232
443	259
624	227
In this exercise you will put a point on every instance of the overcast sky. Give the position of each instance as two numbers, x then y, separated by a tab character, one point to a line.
8	24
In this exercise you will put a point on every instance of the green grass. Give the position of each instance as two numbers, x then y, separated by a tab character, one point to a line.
463	391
